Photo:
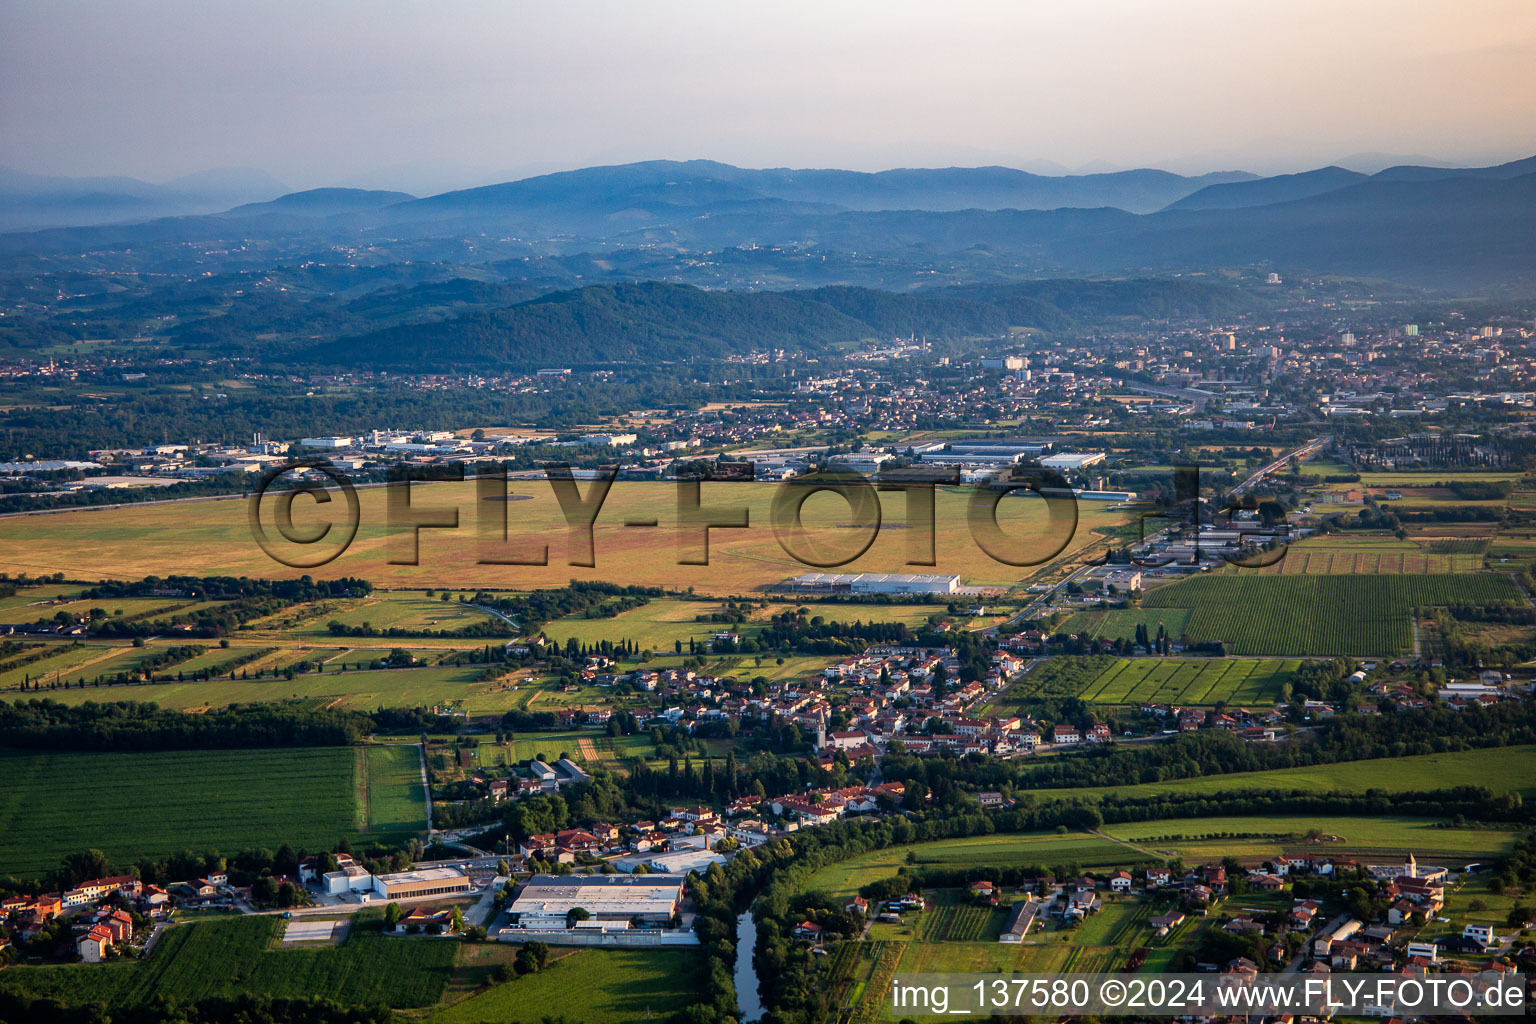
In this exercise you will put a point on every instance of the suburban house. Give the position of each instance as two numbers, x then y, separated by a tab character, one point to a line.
438	922
92	946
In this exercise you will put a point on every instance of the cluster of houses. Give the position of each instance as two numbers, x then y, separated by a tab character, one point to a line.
1414	896
688	837
101	912
886	693
537	777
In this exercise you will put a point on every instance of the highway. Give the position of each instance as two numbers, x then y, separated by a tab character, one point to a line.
1310	448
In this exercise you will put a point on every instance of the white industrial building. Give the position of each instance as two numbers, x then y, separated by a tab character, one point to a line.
612	902
1072	460
327	442
350	878
983	452
877	582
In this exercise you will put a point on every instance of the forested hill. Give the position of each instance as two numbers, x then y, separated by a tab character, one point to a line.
650	322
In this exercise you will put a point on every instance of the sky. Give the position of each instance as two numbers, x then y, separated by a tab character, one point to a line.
429	95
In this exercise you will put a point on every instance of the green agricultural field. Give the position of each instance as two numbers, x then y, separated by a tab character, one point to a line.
214	659
1430	477
394	801
1502	769
979	958
1356	615
154	803
235	956
1121	623
845	877
1200	682
1370	554
364	690
92	665
59	662
1249	837
592	985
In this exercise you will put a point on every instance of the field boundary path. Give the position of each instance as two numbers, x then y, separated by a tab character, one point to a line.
1127	843
426	787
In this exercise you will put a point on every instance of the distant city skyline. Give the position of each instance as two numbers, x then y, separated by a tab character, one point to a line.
414	96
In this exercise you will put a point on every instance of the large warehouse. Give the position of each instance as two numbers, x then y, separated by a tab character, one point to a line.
612	901
425	882
876	583
1072	460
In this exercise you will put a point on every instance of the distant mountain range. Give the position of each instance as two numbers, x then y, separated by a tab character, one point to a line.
1421	225
29	201
1284	187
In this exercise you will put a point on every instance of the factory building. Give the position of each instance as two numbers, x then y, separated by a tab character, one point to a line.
1072	460
424	882
876	583
612	902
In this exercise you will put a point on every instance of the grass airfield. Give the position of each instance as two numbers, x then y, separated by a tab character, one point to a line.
207	538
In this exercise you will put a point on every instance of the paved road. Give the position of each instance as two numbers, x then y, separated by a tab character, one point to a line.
1311	447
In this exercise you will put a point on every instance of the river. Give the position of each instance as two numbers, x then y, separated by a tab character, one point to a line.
748	1002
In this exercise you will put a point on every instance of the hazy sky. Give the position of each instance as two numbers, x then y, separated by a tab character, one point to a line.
423	93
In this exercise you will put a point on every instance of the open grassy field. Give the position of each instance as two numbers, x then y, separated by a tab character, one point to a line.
658	625
30	603
236	956
153	803
750	666
1357	615
408	610
1251	837
654	626
845	877
596	985
1199	682
1502	769
215	537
